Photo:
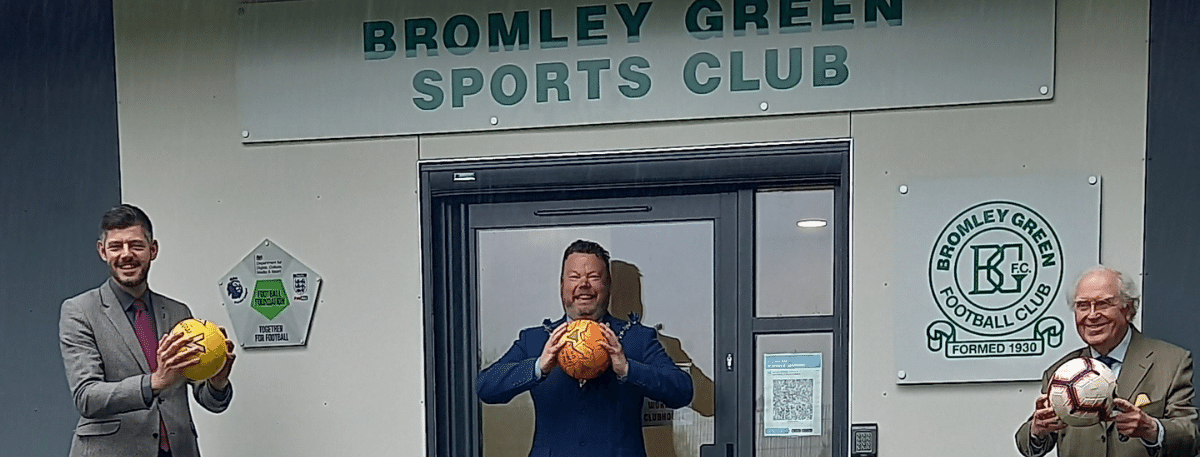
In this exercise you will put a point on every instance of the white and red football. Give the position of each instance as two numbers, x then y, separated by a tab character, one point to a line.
1081	391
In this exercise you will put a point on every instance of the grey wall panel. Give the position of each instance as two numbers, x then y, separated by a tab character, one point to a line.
1172	262
59	170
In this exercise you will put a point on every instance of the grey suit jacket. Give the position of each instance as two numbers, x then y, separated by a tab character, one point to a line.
1156	368
105	367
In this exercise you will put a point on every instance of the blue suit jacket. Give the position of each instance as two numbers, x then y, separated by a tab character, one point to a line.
603	416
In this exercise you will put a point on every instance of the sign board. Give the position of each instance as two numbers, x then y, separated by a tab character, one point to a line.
359	68
270	296
984	269
792	394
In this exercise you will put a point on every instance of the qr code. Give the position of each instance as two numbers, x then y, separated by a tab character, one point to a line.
792	399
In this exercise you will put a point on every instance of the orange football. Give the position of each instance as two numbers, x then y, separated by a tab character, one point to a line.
583	357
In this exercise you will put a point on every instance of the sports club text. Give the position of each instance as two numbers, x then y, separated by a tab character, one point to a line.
702	72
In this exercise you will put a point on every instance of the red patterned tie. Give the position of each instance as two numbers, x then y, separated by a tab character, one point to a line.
145	334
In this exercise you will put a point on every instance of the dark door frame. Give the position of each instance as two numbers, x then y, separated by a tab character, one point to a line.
448	189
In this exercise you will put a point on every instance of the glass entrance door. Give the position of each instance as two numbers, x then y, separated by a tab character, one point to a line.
738	254
664	260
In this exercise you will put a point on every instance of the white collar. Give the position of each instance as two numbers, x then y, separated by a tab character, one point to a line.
1118	352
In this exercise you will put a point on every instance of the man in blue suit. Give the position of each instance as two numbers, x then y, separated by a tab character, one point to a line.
598	417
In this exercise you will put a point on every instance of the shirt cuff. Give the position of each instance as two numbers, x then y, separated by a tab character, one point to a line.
218	394
147	391
1036	444
537	370
1161	433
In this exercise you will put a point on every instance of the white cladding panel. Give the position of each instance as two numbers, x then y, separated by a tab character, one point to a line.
352	208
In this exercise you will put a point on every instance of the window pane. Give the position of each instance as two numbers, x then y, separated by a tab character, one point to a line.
793	263
662	271
797	371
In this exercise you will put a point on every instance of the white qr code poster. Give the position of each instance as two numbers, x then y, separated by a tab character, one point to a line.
792	394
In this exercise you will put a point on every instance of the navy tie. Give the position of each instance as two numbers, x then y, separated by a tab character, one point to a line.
1109	361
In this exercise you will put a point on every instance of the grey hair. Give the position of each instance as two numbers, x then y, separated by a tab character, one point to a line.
1128	289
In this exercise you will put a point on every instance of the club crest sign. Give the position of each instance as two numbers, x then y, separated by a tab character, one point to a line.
979	293
994	271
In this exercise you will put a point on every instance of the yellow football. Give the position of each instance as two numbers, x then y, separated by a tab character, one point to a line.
207	338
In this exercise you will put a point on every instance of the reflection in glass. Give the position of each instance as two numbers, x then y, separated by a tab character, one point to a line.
793	253
661	271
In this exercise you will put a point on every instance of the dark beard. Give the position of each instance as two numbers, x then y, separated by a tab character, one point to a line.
133	284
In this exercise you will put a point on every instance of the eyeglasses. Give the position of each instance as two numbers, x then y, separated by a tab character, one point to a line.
1100	306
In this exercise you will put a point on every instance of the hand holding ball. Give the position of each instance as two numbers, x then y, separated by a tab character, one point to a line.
209	342
583	357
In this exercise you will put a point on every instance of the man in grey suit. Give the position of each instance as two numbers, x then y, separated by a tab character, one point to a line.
1163	424
126	379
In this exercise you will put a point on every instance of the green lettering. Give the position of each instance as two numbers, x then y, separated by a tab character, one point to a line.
472	38
789	12
509	36
585	25
1048	259
378	43
520	85
692	81
795	69
546	28
592	68
559	82
433	94
892	12
750	11
420	31
1045	246
829	12
737	74
827	60
965	227
627	72
714	24
460	88
633	20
